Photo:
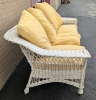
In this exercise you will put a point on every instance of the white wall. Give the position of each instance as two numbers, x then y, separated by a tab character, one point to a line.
55	3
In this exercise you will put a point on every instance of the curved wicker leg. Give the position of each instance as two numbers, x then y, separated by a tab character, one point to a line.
80	91
26	90
28	84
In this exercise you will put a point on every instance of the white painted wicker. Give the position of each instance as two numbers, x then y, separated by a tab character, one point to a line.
66	66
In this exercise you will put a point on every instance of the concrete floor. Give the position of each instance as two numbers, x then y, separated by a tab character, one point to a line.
84	11
80	8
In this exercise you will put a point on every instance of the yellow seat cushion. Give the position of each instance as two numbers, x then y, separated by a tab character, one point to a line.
57	64
39	15
54	18
31	30
67	39
54	64
67	29
68	47
67	35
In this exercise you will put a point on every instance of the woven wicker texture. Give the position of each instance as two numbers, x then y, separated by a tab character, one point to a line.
66	66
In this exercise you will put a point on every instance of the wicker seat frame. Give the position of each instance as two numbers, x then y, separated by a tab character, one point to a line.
54	65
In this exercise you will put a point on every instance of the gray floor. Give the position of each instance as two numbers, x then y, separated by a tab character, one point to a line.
80	8
84	11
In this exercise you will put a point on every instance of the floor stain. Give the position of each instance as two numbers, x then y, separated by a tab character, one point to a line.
92	12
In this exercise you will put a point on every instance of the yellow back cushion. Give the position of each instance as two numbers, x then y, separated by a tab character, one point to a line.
31	30
39	15
54	18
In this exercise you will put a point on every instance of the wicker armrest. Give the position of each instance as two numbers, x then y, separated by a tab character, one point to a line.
70	20
12	36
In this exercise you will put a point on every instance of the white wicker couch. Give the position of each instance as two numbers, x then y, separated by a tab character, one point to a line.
66	66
